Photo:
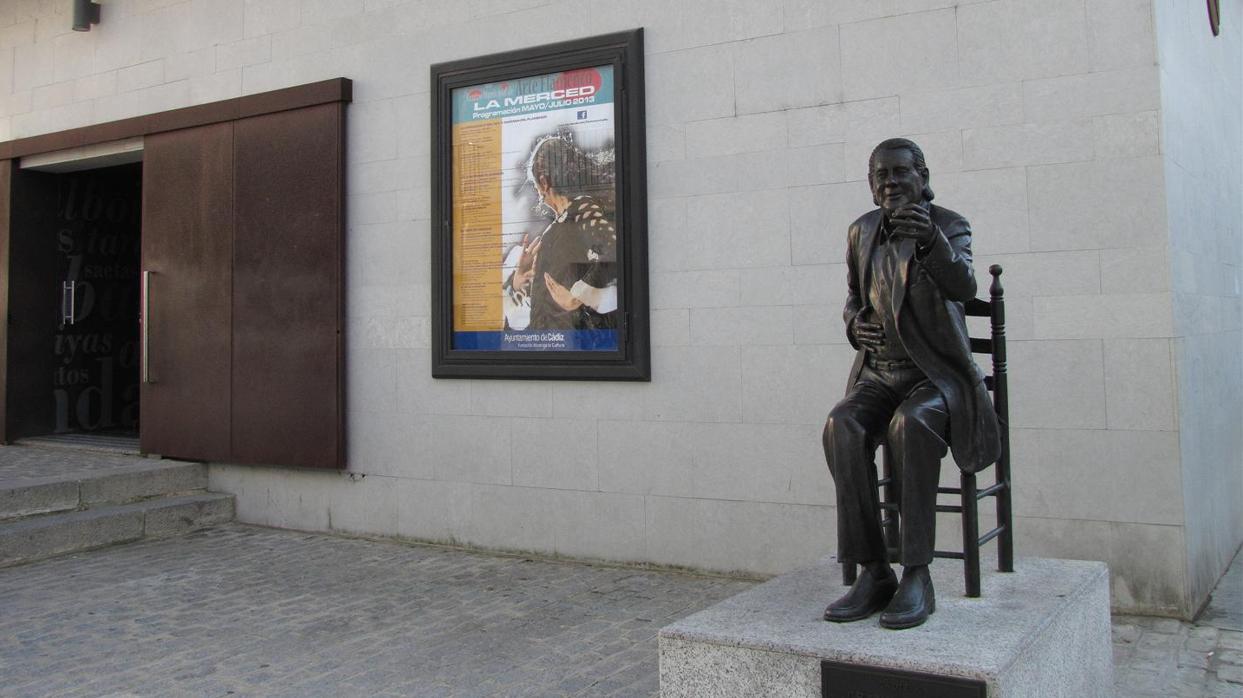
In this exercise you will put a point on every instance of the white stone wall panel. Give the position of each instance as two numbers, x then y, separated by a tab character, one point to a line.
928	59
1139	385
797	69
557	454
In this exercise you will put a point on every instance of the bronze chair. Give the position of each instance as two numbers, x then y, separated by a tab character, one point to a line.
968	493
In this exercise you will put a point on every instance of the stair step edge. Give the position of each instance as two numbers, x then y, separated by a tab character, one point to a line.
40	537
19	498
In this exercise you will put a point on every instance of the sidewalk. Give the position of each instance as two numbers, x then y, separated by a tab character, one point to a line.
1165	657
240	610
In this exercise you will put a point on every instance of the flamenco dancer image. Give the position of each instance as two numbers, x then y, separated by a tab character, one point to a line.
565	278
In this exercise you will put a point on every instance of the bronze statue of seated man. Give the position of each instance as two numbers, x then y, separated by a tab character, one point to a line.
914	386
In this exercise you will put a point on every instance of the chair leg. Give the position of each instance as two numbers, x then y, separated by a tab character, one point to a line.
850	572
1005	541
970	535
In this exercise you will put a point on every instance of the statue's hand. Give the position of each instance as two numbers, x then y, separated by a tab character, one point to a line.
869	335
912	221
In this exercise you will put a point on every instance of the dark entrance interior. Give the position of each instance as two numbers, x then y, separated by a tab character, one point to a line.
74	300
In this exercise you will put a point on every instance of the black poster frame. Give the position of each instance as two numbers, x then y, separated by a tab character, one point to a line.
632	360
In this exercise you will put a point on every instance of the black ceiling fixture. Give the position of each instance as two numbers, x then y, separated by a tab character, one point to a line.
85	13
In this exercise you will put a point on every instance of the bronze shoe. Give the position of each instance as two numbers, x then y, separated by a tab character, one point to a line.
914	601
866	596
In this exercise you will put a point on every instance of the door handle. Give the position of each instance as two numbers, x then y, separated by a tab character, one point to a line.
145	321
68	302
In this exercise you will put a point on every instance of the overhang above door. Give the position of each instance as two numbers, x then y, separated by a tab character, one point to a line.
87	157
308	95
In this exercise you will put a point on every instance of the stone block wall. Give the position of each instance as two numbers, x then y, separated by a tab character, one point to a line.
1202	137
1042	122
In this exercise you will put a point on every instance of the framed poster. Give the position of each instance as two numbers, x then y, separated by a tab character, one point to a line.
539	213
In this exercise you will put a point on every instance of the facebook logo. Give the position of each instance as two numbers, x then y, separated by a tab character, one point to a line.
582	115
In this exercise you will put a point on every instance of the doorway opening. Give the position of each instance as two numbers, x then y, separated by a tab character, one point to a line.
74	346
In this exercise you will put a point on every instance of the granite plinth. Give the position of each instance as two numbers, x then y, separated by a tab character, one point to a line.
1040	631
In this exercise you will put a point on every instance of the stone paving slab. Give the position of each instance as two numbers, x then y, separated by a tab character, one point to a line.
246	611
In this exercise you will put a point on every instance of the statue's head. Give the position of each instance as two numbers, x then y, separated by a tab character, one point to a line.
898	174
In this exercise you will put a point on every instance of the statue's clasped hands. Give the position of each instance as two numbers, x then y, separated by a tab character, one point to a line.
911	221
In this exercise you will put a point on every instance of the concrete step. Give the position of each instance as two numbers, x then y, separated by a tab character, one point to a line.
67	491
38	537
111	444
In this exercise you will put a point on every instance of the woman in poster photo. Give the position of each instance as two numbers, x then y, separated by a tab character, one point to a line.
565	277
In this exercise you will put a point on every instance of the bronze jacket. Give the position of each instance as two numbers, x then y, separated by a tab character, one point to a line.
928	306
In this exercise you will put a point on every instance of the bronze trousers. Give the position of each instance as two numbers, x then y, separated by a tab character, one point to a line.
905	411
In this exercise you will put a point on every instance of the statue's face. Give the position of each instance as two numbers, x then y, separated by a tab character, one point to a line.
895	180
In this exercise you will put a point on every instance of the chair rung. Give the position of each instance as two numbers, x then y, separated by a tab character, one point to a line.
888	506
977	307
981	346
990	491
948	490
991	534
947	554
884	482
949	509
990	383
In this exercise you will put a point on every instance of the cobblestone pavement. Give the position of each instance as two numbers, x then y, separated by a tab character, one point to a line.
241	610
250	611
1225	611
1165	657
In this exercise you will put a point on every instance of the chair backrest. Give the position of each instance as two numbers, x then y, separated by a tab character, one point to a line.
995	346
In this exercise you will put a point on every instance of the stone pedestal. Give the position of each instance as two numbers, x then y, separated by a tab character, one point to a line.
1041	631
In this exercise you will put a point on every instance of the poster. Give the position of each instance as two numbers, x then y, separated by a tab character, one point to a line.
535	236
539	213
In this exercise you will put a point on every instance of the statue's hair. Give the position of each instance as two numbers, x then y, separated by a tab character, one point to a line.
917	156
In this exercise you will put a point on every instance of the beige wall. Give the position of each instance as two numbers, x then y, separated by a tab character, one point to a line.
1202	136
760	119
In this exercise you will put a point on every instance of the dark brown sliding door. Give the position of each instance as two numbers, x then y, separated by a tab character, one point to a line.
242	239
287	287
187	240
